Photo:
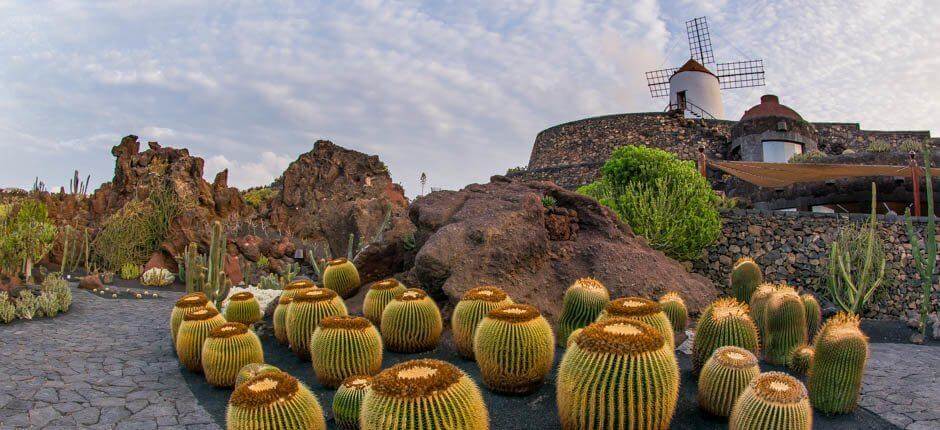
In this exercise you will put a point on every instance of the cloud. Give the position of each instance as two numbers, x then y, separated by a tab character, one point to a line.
244	174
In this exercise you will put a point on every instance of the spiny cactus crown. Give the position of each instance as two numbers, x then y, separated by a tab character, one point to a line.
265	389
633	307
385	284
743	260
416	378
338	261
486	293
805	350
315	295
228	329
728	307
778	387
345	322
284	300
358	382
192	300
842	324
621	336
200	314
589	284
241	296
671	296
411	294
514	313
299	284
735	357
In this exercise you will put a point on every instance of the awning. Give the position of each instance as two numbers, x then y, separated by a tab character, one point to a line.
776	175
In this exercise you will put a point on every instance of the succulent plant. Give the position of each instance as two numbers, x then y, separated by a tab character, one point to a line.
470	310
7	309
228	348
189	302
675	309
426	394
758	305
772	401
341	276
342	346
644	310
379	295
411	323
725	322
26	305
296	287
304	314
515	348
801	359
47	305
583	301
280	318
835	377
130	271
746	276
784	325
347	402
244	308
251	370
157	277
724	376
618	374
273	401
196	326
813	313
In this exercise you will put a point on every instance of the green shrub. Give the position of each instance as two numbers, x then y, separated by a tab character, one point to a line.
135	231
47	305
7	309
26	305
130	271
517	169
857	263
26	236
807	157
258	196
549	201
879	146
911	145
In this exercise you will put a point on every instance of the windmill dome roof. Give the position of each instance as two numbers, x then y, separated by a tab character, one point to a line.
693	66
770	106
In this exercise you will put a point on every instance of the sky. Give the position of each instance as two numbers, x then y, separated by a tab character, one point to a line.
456	89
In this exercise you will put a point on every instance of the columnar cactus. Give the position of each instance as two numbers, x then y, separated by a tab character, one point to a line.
228	348
347	402
251	370
380	294
835	377
617	374
644	310
725	322
196	326
426	394
343	346
725	375
470	310
273	401
758	305
745	277
304	314
280	318
801	359
188	302
583	301
772	401
675	309
411	323
785	325
244	308
515	348
341	276
813	313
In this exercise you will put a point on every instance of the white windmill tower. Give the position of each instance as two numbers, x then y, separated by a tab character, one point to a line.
693	88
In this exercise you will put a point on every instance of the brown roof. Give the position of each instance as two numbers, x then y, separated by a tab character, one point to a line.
770	106
693	66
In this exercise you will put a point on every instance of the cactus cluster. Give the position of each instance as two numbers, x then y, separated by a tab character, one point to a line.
725	322
196	326
341	276
644	310
280	318
746	276
189	302
304	314
273	401
801	359
835	377
380	294
296	287
618	374
515	348
813	313
251	370
244	308
583	301
784	325
758	305
772	401
412	322
342	346
227	350
470	310
426	394
724	377
347	402
675	309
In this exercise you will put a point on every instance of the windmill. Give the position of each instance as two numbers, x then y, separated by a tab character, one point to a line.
693	88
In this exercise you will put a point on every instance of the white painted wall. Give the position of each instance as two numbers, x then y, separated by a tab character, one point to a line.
701	89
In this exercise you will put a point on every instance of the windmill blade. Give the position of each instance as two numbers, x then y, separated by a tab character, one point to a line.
658	81
741	74
700	40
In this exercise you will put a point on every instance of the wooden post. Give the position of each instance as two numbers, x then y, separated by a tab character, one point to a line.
702	163
914	177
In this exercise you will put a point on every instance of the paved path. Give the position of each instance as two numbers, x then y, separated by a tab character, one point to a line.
902	385
104	364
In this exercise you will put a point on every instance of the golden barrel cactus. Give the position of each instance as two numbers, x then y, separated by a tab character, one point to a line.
280	318
725	322
347	402
227	350
784	325
343	346
188	302
296	287
746	276
341	276
724	377
772	401
244	308
470	310
304	314
273	401
813	313
380	294
835	376
412	322
515	348
644	310
196	326
675	309
801	359
583	302
251	370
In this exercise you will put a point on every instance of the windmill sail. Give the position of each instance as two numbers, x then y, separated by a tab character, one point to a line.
741	74
700	40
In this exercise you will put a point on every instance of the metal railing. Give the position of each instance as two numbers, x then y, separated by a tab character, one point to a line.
691	108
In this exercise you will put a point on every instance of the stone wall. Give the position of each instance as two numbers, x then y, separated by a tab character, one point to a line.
793	247
836	137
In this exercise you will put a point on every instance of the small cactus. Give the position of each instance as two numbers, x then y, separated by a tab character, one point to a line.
251	370
618	373
426	394
304	314
380	294
228	348
724	376
280	318
343	346
583	301
470	310
188	302
801	359
515	348
772	401
725	322
813	313
785	325
196	326
411	323
644	310
675	309
273	401
244	308
835	377
347	402
758	305
341	276
746	276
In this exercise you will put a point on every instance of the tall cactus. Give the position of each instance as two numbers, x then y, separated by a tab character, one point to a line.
835	375
925	255
857	263
206	273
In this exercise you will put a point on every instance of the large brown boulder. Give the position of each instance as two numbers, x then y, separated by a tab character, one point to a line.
501	233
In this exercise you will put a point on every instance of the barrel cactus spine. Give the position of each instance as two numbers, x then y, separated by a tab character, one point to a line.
251	370
272	401
343	346
583	301
746	276
347	403
724	377
304	314
470	310
188	302
228	348
774	401
785	325
296	287
380	294
835	376
675	309
280	318
196	326
428	394
412	322
644	310
813	313
801	359
515	348
244	308
341	276
724	322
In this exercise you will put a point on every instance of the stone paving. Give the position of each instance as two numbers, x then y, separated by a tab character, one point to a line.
104	364
902	385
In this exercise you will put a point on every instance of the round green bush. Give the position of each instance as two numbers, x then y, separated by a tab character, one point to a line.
470	310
